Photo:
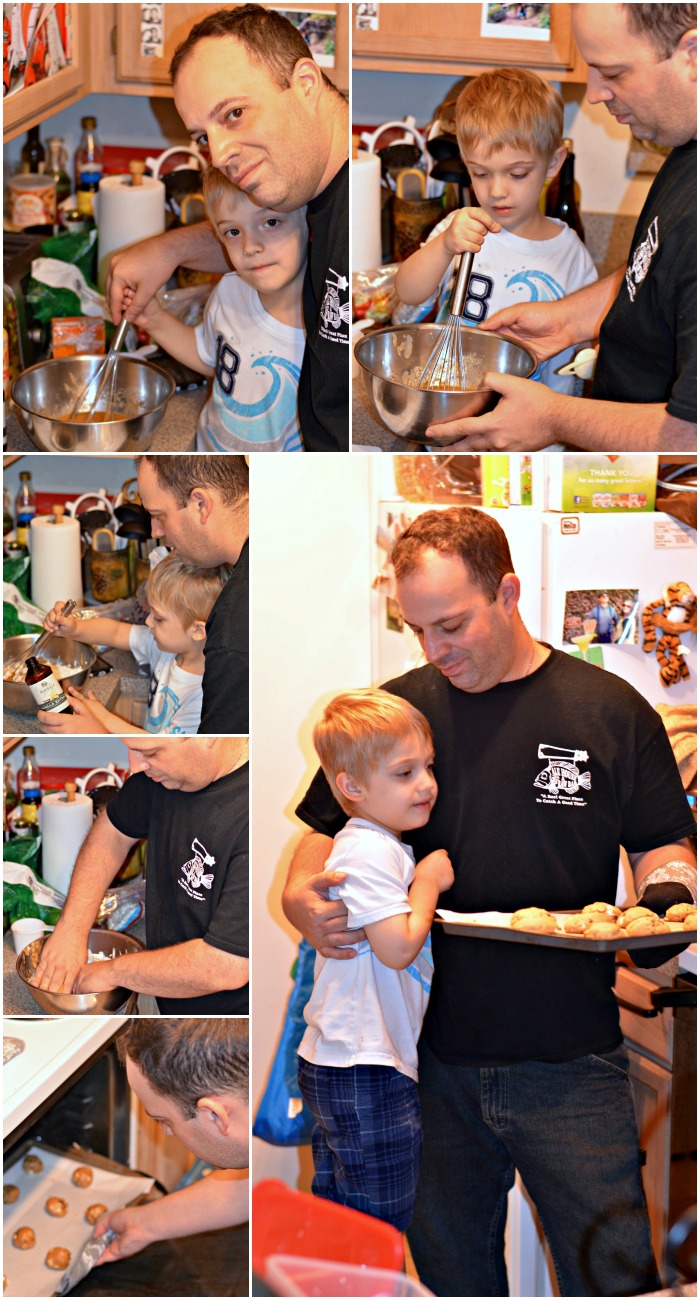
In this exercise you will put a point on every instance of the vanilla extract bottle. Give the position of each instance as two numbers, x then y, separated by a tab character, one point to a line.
47	692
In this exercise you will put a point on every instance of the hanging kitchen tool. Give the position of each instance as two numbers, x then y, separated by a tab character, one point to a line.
128	494
410	183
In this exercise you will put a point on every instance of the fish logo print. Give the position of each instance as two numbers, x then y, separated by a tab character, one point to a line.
193	871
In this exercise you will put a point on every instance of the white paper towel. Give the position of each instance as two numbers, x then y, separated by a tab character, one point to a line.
55	560
64	826
366	211
126	213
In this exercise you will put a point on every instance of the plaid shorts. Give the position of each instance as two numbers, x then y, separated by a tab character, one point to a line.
367	1141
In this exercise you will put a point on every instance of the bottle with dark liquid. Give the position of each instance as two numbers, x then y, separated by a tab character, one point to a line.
33	155
47	692
561	196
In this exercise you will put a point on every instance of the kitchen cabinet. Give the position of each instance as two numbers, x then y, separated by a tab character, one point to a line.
445	38
34	104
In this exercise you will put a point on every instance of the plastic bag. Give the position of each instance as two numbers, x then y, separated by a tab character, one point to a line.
23	892
18	613
79	249
373	295
283	1119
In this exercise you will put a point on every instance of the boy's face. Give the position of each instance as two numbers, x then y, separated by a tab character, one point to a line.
508	183
168	632
266	248
400	793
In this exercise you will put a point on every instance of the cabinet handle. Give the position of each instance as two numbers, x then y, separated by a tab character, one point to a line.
660	1000
647	1012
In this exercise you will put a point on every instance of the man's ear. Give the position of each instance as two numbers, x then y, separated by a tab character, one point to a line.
509	591
349	787
212	1109
203	502
307	80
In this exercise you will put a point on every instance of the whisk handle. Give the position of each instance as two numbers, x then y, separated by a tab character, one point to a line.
459	293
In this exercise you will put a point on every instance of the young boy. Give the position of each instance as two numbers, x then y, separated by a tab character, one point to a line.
251	339
358	1058
509	129
180	600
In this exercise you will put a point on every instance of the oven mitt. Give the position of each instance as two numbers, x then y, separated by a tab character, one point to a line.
658	898
88	1257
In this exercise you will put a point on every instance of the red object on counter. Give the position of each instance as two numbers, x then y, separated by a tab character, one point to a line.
287	1222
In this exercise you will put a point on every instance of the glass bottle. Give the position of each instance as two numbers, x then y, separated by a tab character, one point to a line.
89	165
10	796
47	692
26	826
56	168
562	199
33	155
25	508
29	778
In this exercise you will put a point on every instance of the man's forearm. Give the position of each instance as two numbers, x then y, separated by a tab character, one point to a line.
588	307
186	970
95	867
599	426
644	864
309	859
196	247
217	1201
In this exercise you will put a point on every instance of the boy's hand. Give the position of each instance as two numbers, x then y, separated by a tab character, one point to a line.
468	230
438	868
60	624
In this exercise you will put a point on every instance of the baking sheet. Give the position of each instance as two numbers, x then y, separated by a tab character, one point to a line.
26	1272
496	925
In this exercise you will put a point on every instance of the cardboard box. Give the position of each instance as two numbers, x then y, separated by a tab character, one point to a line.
512	479
592	483
74	336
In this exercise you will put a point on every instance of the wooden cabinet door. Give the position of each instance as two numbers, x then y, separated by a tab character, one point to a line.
35	103
446	38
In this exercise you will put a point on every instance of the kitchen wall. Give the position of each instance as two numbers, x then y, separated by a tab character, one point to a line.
73	474
121	119
72	751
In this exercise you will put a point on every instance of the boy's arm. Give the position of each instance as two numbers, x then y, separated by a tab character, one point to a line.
419	276
89	631
110	722
137	273
173	336
398	939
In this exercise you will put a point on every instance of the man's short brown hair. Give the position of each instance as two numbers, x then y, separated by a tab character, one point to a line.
470	534
186	1060
182	475
661	24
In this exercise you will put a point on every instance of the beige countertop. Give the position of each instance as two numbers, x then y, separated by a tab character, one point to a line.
124	677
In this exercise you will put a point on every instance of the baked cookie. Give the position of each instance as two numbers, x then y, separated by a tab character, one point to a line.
579	923
535	919
95	1212
58	1257
10	1194
606	911
56	1206
82	1176
691	921
24	1238
679	911
645	925
32	1164
633	914
604	930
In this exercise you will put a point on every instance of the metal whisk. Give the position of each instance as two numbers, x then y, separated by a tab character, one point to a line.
445	368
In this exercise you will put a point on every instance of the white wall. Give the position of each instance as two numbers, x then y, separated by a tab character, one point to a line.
121	119
83	752
70	474
310	589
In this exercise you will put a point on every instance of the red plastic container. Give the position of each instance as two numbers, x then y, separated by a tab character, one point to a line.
287	1222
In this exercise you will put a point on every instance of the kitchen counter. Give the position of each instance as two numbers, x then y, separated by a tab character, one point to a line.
174	433
53	1050
18	1001
368	432
125	678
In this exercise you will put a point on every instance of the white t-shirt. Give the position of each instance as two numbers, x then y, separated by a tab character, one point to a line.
360	1011
175	695
509	269
257	363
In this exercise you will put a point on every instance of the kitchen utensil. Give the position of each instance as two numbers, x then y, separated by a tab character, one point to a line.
44	395
60	651
41	641
582	365
446	368
103	539
410	183
101	381
385	355
72	1004
26	930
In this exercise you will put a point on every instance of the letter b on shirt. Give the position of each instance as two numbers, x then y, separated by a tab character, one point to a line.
227	365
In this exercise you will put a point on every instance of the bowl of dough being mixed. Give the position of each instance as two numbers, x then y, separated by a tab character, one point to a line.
103	945
70	662
126	415
392	361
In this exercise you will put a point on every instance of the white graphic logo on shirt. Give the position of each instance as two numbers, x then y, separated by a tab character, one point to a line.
193	871
641	259
561	780
334	313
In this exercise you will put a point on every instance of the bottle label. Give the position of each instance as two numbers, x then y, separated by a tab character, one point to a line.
48	695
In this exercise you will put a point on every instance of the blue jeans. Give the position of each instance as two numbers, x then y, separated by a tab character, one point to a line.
367	1141
570	1131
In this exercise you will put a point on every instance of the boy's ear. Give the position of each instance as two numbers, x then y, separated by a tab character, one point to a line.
198	630
556	161
349	787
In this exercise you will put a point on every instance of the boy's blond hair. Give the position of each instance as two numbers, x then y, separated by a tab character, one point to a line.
510	107
189	593
216	186
359	729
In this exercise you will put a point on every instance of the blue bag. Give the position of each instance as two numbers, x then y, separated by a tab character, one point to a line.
283	1119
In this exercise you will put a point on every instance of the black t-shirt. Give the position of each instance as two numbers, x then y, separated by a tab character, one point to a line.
539	782
196	872
225	683
648	338
324	388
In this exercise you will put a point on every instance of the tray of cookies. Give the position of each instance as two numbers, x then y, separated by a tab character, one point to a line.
51	1200
598	927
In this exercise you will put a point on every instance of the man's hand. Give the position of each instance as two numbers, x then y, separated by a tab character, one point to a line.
436	866
545	328
81	721
322	921
62	956
131	1233
525	419
97	977
135	275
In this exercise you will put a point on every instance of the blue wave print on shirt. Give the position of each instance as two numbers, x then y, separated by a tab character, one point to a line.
541	286
169	703
265	418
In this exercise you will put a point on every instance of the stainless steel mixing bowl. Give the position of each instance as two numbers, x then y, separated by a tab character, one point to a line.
17	695
81	1004
44	395
385	355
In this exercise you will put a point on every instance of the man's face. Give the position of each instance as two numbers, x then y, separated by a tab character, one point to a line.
177	763
654	97
468	637
605	599
264	138
203	1135
183	528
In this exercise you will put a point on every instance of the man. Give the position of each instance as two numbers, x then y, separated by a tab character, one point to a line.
521	1064
642	66
606	620
248	90
199	507
191	1076
189	798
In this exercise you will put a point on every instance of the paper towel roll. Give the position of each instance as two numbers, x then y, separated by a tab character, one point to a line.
64	826
366	211
55	560
126	213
